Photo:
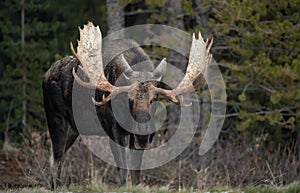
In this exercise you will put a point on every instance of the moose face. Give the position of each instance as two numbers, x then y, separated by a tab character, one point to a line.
141	98
142	111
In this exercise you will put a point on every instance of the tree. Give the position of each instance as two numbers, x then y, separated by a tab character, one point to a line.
21	102
256	45
33	34
115	16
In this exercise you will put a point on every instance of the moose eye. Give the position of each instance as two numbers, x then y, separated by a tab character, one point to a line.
130	102
153	99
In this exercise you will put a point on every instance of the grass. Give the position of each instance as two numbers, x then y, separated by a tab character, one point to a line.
292	188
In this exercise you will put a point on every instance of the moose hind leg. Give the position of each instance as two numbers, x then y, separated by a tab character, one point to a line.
61	141
55	170
56	160
59	148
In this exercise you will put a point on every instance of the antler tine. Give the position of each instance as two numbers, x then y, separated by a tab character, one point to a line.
104	100
199	35
81	82
210	44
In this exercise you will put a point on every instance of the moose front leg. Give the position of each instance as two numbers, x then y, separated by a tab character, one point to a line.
136	161
117	146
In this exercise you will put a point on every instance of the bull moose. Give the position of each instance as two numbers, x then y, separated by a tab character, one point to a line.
96	67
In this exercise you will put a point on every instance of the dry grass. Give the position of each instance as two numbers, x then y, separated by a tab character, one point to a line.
226	165
292	188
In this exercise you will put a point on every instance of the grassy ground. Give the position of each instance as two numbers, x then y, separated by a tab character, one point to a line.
292	188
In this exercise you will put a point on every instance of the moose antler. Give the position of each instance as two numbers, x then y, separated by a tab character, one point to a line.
89	53
90	56
199	60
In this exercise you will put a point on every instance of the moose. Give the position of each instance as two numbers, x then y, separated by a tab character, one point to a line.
96	68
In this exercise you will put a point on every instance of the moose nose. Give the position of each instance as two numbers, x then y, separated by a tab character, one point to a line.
142	117
142	141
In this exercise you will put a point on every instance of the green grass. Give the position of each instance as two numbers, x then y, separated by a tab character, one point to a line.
292	188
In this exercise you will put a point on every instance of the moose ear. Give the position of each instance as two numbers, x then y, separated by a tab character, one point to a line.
160	70
127	70
127	73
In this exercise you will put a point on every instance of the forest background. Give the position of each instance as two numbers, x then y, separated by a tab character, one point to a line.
257	48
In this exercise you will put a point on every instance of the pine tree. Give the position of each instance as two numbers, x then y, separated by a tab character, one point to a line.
257	45
33	34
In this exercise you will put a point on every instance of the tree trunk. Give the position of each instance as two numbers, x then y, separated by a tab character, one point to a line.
24	102
174	9
115	16
202	8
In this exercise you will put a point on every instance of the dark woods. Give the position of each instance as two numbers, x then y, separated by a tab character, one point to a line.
256	47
